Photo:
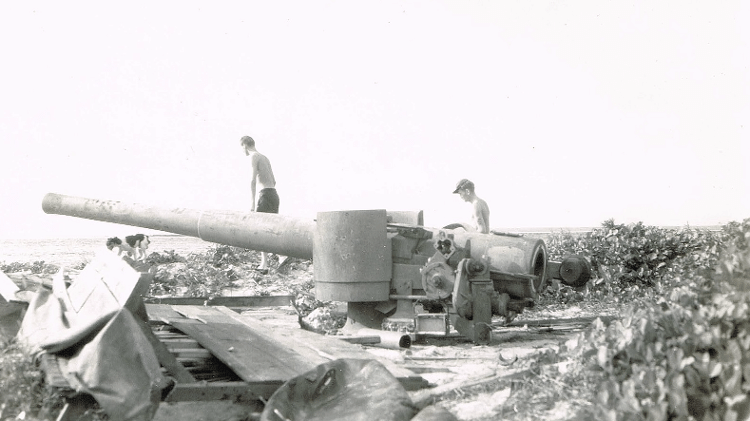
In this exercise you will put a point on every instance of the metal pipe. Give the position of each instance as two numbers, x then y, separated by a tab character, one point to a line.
388	339
407	297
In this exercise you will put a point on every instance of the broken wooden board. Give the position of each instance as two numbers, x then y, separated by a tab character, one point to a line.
262	354
252	357
282	318
561	322
241	301
321	348
221	391
8	289
11	310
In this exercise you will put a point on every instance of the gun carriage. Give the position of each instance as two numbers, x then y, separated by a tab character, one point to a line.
392	271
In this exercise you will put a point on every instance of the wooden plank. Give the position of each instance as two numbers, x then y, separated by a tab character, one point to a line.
252	357
29	281
318	349
52	374
428	369
171	334
242	301
202	313
179	343
231	391
426	397
278	318
262	351
161	313
193	354
166	358
561	322
8	288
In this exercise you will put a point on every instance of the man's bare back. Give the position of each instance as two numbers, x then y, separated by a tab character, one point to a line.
262	170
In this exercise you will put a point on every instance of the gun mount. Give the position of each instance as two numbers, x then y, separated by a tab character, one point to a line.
381	263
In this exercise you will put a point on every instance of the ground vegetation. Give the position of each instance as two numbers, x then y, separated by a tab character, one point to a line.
678	348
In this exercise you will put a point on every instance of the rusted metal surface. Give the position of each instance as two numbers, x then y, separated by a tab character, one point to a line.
367	257
352	256
254	230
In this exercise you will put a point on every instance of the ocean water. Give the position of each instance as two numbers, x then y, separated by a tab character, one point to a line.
72	251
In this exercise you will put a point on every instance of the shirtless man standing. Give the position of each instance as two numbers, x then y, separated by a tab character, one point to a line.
480	211
268	198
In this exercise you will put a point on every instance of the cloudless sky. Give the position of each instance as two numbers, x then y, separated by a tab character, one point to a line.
563	113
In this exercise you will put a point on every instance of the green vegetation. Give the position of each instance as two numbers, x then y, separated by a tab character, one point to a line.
38	267
22	385
197	275
226	268
679	351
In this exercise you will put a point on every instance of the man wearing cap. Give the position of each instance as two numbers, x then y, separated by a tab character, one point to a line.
268	198
480	211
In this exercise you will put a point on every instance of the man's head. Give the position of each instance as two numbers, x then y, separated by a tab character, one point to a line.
112	242
465	189
464	184
247	142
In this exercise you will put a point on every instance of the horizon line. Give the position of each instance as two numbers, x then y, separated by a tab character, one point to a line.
513	230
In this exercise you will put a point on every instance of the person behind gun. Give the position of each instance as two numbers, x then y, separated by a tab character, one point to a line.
480	211
117	247
268	197
138	244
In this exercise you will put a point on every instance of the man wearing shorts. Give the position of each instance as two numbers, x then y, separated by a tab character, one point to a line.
268	198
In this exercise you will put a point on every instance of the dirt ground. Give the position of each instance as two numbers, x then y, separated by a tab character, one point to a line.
450	365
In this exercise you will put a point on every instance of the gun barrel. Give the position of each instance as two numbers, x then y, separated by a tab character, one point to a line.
267	232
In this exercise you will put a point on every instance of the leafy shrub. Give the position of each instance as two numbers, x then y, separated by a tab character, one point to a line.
36	267
201	274
735	234
685	355
223	256
170	256
22	383
624	256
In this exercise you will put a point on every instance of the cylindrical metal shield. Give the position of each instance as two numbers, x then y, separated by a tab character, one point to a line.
352	256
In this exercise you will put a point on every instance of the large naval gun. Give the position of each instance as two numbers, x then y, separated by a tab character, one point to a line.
393	272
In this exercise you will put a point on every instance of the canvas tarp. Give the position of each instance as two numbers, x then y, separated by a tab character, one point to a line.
100	347
341	390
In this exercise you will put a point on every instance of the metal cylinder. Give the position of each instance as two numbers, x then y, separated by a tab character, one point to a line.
575	271
510	254
352	256
388	339
267	232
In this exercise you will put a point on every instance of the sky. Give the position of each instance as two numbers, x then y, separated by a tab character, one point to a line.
563	113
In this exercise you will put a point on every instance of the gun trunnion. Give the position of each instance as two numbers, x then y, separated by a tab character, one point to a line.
394	273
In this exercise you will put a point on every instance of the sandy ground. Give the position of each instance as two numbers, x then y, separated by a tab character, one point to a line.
447	364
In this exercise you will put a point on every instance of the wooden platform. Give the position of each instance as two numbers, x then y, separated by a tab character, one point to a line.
263	355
